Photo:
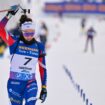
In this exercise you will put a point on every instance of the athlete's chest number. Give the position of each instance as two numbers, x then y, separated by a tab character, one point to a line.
27	60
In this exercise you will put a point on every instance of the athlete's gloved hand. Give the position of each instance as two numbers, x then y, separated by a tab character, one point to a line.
43	94
13	10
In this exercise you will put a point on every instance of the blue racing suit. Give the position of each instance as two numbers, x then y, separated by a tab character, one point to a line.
24	57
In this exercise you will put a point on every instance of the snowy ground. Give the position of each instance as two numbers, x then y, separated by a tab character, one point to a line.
87	68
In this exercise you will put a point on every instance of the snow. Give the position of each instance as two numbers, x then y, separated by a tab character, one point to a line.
87	68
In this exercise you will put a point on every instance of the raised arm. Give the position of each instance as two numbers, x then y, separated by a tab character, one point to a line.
3	34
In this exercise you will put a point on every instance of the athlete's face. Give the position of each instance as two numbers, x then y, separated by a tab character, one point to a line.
28	34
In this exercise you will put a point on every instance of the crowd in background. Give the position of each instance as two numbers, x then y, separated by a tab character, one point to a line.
85	1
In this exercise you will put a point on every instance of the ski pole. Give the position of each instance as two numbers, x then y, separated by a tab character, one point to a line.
6	10
12	8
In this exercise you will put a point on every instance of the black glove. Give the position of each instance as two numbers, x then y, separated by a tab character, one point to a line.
14	9
43	94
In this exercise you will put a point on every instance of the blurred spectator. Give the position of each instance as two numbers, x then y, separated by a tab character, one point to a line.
16	31
90	37
2	47
29	1
83	23
43	33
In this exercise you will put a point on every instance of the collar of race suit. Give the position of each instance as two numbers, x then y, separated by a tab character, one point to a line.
27	42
